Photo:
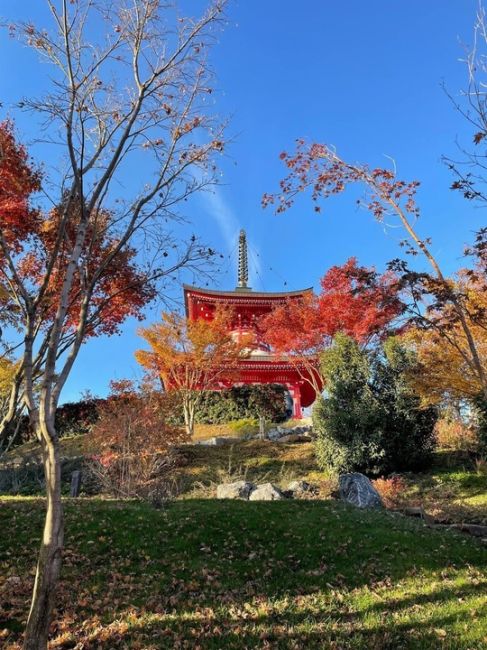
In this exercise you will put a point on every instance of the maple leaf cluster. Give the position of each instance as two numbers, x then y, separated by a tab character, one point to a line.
19	179
114	286
188	354
317	168
191	356
354	300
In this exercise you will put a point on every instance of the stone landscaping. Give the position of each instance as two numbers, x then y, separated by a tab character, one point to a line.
354	488
261	492
357	489
276	434
266	492
237	490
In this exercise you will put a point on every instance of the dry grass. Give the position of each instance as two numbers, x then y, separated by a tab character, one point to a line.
205	431
30	452
203	468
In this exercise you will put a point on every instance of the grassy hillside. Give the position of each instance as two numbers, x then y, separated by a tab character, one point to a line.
77	445
203	468
453	490
222	574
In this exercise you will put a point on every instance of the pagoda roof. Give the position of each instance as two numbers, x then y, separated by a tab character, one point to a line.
246	292
240	295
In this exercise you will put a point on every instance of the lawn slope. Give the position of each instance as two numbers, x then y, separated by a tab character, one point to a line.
232	574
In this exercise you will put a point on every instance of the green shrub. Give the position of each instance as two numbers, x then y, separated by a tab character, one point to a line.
347	420
370	420
72	418
243	402
77	417
480	405
408	431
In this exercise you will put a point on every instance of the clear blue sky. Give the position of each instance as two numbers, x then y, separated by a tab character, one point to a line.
364	76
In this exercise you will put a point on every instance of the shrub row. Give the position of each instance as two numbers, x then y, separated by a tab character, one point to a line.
244	402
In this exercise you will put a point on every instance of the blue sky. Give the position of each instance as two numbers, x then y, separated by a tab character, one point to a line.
364	76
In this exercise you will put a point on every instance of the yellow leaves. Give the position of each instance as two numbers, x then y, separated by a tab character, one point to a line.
443	367
7	372
444	355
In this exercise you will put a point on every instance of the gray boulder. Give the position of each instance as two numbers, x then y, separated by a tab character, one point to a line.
294	437
273	434
237	490
209	442
218	441
299	487
356	489
266	492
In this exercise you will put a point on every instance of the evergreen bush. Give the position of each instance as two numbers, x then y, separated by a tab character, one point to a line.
480	405
370	420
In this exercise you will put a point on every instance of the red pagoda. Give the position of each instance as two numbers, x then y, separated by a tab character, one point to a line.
261	366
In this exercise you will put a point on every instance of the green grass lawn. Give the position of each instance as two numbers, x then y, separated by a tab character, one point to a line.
232	574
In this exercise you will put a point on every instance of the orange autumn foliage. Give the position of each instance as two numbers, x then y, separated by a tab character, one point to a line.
132	437
120	286
19	179
191	356
446	369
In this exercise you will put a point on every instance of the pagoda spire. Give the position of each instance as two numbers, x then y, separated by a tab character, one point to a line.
243	262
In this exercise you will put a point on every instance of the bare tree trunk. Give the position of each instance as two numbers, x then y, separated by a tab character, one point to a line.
14	434
188	410
8	423
49	562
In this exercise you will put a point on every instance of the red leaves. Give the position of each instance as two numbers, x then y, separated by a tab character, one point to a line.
358	301
18	181
31	238
353	299
317	168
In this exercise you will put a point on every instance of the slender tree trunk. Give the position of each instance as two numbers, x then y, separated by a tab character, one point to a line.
8	428
8	422
188	410
14	434
457	306
49	562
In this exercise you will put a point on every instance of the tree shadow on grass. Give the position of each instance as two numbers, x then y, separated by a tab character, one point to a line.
290	574
336	627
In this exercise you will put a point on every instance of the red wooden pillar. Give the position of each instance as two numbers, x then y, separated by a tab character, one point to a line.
297	412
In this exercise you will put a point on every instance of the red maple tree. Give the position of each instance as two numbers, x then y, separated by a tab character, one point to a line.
316	168
354	299
107	290
358	301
